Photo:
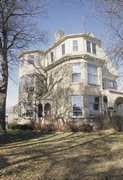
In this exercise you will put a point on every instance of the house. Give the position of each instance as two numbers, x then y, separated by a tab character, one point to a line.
12	114
71	81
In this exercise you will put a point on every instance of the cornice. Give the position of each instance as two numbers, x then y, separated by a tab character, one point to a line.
68	58
73	36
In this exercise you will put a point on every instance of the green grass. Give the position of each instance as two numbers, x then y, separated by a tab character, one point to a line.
26	155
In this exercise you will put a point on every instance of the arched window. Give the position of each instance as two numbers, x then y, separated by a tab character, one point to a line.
105	104
40	110
47	109
120	107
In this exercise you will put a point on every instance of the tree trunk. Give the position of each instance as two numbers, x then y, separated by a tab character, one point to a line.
3	112
3	91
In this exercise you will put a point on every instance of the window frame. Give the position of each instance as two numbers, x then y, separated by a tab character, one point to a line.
92	103
88	46
76	73
92	75
91	47
75	45
110	85
63	49
81	107
94	48
103	84
52	56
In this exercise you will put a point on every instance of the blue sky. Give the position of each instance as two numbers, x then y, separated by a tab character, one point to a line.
69	17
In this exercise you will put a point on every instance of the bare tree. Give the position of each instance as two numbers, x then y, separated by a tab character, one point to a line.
18	29
110	13
113	19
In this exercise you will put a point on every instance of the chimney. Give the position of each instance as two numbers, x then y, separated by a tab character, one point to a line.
59	35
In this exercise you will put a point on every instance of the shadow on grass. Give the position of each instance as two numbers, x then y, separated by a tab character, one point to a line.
3	161
69	156
18	136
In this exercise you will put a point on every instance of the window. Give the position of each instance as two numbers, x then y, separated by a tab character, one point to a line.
30	59
88	46
75	45
76	73
52	56
104	83
111	84
63	49
120	108
29	80
29	109
77	105
93	103
91	47
92	75
21	84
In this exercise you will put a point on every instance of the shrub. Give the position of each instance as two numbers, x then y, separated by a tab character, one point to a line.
46	127
52	127
73	127
117	122
85	128
77	128
102	122
15	126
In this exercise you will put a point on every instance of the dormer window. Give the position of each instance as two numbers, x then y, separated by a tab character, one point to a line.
91	47
63	49
75	45
52	56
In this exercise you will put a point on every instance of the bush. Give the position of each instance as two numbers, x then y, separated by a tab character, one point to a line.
101	122
117	122
15	126
46	127
52	127
85	128
63	128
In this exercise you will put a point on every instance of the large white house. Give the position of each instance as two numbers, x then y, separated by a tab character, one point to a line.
73	80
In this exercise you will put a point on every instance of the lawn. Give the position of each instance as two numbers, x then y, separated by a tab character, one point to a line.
61	156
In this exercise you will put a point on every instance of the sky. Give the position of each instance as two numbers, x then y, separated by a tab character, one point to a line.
70	17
